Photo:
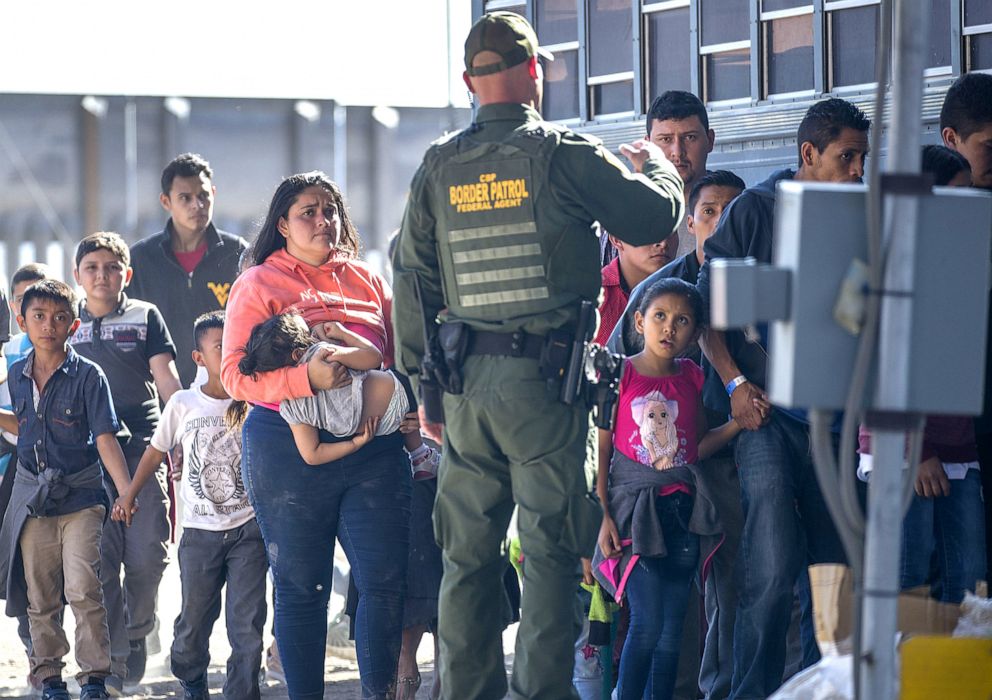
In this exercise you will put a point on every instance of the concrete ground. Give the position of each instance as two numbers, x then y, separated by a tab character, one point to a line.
341	672
340	669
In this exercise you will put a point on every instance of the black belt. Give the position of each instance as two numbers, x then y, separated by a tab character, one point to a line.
517	344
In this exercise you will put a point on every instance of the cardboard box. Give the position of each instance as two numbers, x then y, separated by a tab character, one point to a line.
833	606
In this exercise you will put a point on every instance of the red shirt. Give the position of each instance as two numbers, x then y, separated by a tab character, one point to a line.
190	260
614	301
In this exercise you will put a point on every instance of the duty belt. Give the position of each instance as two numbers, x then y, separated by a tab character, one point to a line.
517	344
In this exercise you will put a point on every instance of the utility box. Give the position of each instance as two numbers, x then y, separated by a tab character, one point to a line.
819	230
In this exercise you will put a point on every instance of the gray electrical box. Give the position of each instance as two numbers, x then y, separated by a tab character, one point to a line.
819	230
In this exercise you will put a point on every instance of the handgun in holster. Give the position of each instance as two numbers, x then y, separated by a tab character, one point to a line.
593	373
433	373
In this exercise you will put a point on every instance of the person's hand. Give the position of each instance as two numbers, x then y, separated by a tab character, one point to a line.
749	406
609	538
324	373
367	432
328	330
410	423
587	571
639	151
931	481
175	472
341	377
764	407
124	507
434	431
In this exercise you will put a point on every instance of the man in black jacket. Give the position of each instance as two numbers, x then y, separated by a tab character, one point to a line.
786	523
966	127
188	268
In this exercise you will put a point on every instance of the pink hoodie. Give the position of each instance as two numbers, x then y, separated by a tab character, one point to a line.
342	289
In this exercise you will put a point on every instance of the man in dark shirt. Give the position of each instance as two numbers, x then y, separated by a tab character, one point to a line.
187	269
966	127
786	523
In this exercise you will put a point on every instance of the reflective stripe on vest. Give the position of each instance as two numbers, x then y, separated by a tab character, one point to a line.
506	248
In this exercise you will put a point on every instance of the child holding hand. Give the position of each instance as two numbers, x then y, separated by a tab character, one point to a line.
51	536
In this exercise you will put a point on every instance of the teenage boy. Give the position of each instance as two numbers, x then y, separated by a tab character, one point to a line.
632	266
966	127
130	341
26	275
678	124
187	269
786	523
50	539
705	204
221	543
13	350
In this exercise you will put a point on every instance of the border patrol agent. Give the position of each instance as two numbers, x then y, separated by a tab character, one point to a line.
497	243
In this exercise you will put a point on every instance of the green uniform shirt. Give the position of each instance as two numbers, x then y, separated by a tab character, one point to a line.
587	184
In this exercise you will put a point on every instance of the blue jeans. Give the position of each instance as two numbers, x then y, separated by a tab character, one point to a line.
953	527
657	591
786	527
362	500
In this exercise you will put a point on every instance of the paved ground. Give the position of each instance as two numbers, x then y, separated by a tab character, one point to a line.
341	673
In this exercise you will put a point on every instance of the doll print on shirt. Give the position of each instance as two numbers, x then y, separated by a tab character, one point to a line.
660	446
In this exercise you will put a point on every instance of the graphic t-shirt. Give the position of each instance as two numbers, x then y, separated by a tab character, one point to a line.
122	343
212	490
656	416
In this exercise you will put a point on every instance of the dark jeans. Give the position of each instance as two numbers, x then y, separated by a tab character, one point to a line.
141	550
208	562
786	527
657	591
953	527
984	440
364	501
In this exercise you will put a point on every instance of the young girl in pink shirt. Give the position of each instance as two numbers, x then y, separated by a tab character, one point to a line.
653	512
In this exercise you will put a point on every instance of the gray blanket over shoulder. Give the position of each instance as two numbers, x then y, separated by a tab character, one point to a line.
632	495
28	498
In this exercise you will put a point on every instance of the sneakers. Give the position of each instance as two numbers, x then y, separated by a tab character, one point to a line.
93	689
273	664
424	462
136	661
55	690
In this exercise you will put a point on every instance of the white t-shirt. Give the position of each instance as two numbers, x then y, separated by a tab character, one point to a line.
212	491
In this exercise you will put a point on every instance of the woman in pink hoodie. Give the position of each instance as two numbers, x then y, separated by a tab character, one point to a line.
305	260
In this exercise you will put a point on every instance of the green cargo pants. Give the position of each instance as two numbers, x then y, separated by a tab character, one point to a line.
509	441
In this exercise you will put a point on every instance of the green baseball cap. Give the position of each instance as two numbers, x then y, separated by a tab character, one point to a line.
505	33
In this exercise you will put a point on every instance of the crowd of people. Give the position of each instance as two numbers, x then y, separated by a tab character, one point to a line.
276	383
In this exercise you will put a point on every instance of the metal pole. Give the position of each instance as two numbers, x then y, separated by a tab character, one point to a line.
885	507
341	146
131	169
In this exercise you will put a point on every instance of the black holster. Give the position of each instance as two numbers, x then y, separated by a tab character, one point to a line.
453	338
